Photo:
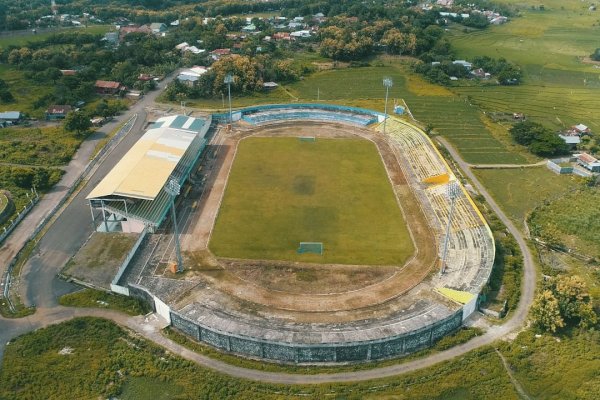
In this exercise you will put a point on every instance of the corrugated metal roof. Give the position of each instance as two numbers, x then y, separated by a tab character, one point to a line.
143	171
153	212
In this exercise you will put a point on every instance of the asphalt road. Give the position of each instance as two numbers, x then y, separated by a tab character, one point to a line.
41	288
74	225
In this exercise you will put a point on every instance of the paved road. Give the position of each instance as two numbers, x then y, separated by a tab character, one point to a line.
75	221
51	313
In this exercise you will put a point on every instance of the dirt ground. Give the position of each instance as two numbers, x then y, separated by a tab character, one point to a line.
100	257
297	287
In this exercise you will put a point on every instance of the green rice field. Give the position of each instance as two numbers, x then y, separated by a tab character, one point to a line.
283	191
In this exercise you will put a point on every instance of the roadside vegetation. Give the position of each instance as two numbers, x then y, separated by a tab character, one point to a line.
94	357
91	298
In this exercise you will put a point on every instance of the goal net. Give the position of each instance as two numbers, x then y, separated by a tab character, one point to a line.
307	139
310	247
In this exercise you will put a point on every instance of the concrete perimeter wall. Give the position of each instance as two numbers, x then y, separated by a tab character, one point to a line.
368	350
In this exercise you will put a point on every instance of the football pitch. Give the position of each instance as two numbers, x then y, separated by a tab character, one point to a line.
283	191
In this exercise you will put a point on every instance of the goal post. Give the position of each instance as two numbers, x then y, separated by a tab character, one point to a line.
310	247
307	138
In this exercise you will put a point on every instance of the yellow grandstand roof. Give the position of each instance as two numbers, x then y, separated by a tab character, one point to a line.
457	295
144	170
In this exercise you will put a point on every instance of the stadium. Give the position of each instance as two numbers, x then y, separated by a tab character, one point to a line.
309	233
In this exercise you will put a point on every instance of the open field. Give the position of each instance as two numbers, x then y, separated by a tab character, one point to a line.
282	191
519	191
46	146
559	88
21	39
24	91
568	220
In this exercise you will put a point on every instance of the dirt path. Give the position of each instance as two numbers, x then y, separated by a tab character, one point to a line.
507	166
512	378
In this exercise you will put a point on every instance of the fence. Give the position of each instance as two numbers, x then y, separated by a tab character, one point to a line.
20	215
6	278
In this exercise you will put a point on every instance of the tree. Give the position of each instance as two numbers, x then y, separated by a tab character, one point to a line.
563	302
595	55
546	312
78	122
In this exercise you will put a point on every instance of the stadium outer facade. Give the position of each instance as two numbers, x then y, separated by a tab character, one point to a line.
451	298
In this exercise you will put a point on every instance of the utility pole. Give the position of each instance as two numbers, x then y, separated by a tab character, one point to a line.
387	83
173	188
229	80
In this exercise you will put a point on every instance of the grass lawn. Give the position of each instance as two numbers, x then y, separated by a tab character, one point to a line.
519	191
283	191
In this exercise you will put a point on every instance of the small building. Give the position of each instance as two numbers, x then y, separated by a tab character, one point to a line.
282	36
218	53
480	73
107	87
124	31
498	20
270	85
191	76
158	27
580	129
8	118
464	63
300	34
249	28
145	77
571	140
193	50
68	72
111	37
588	162
55	112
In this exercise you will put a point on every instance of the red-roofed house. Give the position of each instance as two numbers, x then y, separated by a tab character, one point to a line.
218	53
588	162
107	87
125	30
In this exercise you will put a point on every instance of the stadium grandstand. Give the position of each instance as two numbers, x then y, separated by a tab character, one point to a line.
305	112
132	196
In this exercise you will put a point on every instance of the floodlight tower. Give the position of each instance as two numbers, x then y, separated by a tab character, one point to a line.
173	188
387	83
452	191
228	81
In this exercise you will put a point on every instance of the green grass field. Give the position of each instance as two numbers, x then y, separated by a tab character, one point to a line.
519	191
283	191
